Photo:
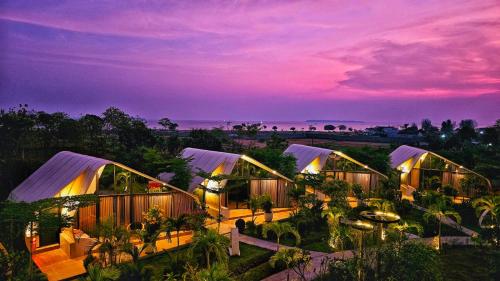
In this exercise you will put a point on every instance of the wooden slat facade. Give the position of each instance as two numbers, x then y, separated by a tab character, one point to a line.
369	181
276	188
129	208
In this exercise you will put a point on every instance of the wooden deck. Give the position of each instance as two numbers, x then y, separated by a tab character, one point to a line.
58	266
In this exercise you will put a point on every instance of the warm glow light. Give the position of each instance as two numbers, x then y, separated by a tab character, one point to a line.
387	214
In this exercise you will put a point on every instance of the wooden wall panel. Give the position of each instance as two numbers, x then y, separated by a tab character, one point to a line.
106	208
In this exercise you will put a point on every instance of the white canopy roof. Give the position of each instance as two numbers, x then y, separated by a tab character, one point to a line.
208	161
404	153
57	173
62	169
305	154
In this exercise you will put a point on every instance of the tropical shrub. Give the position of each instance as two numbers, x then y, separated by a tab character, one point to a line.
254	205
280	229
338	191
99	273
410	262
267	203
449	190
403	207
213	247
218	272
296	259
240	224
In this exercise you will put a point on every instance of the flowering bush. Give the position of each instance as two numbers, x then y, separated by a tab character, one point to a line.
153	215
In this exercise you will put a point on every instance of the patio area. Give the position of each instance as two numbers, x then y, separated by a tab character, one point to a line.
58	266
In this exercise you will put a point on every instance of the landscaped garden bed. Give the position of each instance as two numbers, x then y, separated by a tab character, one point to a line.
251	265
430	227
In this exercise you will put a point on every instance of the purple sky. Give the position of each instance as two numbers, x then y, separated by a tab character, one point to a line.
258	60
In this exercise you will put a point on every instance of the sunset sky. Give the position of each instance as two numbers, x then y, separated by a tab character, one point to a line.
254	60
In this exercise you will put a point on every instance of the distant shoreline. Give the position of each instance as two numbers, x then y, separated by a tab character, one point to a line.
280	125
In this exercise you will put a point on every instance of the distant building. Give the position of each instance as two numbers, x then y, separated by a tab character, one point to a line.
383	131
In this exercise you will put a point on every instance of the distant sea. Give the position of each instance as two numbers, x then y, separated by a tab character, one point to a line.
282	125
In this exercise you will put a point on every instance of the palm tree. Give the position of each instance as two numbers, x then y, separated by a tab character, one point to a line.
178	224
211	243
98	273
112	240
339	234
403	227
254	205
280	229
296	259
485	205
491	205
125	176
440	210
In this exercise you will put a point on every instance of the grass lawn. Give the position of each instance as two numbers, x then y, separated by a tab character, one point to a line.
312	240
250	257
468	263
251	265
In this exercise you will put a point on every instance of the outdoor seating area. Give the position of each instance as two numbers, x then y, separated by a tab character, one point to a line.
69	174
226	181
334	165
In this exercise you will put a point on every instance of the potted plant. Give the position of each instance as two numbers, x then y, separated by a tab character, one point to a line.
153	219
267	206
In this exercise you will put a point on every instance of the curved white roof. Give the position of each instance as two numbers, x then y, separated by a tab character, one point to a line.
208	160
62	169
305	154
404	153
55	174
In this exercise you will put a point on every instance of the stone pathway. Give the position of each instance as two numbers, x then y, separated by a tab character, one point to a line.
317	258
452	223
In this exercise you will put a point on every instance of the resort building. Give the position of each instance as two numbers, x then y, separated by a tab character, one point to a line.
229	180
334	165
124	193
422	169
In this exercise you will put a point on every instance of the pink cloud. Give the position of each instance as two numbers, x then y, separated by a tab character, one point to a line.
320	52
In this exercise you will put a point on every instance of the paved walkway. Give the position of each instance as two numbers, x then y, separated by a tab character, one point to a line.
452	223
317	258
